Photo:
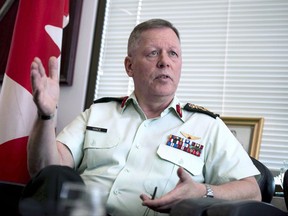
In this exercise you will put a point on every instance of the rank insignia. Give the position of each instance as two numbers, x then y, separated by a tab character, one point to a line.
188	136
195	108
186	145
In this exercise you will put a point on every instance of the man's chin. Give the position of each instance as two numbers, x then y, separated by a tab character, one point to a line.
165	90
164	93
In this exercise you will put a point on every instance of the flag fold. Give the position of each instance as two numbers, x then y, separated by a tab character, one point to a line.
37	32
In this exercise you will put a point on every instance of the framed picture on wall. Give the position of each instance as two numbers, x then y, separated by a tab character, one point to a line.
248	130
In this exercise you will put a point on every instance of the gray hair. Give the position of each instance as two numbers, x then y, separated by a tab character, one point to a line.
149	24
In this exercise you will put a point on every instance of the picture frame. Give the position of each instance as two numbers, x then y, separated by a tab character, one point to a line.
69	43
248	130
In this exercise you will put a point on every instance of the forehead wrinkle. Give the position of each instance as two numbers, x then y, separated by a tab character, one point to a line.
144	36
159	43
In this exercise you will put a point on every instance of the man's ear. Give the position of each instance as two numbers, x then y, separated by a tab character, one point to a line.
128	66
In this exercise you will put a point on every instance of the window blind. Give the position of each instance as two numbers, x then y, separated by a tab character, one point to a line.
235	59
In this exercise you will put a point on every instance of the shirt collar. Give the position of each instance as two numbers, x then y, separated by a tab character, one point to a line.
127	101
175	105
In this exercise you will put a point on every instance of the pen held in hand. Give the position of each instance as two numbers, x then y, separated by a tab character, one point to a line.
154	193
152	198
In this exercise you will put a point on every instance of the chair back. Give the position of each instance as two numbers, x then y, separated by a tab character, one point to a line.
265	181
285	188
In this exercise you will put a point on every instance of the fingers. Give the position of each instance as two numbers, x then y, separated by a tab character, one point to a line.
53	68
183	175
37	67
45	89
36	72
144	197
159	204
164	203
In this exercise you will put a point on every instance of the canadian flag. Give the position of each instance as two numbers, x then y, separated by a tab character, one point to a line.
37	32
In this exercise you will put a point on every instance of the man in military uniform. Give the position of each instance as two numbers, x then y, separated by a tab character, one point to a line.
147	140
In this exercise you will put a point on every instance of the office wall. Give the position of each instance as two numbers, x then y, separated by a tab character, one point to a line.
72	98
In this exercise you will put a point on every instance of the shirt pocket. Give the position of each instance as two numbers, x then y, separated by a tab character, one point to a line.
190	162
99	148
100	140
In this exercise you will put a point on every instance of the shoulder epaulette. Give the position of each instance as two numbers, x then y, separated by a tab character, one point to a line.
195	108
109	99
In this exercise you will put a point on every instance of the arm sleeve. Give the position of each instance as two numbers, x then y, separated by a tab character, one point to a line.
226	159
73	136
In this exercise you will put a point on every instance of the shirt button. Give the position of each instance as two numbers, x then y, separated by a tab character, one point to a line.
146	124
116	191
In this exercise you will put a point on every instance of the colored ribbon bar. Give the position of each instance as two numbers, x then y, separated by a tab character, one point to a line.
186	145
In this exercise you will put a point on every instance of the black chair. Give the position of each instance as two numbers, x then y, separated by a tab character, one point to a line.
285	188
265	181
10	194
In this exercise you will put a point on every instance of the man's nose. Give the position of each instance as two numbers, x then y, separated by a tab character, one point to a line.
163	61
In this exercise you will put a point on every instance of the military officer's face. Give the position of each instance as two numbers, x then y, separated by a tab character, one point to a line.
155	63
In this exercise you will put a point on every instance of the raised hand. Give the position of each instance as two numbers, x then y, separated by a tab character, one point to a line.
45	89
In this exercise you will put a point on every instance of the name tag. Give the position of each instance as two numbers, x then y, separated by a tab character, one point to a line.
98	129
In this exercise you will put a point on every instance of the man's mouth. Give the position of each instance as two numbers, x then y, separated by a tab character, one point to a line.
163	77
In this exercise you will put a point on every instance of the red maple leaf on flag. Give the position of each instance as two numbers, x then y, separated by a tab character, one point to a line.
37	32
